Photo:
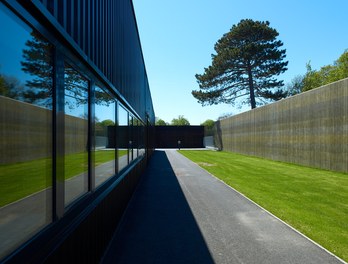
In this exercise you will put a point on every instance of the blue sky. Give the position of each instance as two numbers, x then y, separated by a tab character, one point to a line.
178	39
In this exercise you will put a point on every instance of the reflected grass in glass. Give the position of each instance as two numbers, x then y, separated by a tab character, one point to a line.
21	179
18	180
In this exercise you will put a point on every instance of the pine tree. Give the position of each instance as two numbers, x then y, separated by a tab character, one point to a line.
37	61
246	62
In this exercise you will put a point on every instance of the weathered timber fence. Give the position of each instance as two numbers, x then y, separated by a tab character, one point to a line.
309	129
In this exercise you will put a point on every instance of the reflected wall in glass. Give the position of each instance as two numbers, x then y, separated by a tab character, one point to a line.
142	135
135	137
76	134
105	136
122	138
131	138
26	132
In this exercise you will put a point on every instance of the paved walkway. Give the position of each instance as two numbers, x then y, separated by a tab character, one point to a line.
181	214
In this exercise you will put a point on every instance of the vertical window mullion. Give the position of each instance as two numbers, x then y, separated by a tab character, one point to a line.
59	135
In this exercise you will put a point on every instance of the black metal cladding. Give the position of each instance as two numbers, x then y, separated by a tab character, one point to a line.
101	40
189	136
106	31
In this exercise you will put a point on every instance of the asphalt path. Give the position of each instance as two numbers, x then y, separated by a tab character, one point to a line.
182	214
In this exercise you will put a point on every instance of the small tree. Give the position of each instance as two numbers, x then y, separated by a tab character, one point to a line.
342	65
11	87
208	127
247	59
312	79
295	86
209	123
107	122
327	74
160	122
225	115
180	121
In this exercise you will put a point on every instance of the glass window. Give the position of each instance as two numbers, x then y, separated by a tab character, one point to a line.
105	137
136	137
76	134
141	139
131	145
25	132
122	138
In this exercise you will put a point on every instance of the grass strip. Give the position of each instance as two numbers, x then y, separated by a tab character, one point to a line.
313	201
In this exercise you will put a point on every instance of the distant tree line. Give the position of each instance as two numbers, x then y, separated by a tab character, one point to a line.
179	121
316	78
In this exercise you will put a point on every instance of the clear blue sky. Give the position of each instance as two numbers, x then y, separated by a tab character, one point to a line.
178	39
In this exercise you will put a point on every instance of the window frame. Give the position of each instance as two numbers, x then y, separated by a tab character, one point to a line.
64	50
19	16
69	61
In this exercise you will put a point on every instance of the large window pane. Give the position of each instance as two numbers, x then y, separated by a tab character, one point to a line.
122	138
76	134
135	138
105	137
142	135
131	145
25	132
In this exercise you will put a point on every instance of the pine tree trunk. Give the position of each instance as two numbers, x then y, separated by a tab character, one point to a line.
251	88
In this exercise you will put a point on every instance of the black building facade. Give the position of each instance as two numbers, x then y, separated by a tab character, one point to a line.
76	130
179	136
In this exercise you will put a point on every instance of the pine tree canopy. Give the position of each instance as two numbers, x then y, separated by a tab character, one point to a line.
248	58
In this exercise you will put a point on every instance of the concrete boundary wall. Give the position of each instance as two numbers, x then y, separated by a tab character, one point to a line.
309	129
26	132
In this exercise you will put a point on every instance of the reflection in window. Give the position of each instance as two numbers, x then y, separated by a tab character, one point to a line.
26	132
104	136
135	140
122	138
131	138
76	134
141	146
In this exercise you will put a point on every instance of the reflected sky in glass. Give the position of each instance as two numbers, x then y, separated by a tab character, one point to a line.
122	117
11	51
76	134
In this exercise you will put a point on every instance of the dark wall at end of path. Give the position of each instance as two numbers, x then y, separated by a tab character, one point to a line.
189	136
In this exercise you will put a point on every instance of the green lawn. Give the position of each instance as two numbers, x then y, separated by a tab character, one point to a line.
19	180
313	201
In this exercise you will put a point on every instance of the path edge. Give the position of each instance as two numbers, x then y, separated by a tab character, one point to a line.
268	212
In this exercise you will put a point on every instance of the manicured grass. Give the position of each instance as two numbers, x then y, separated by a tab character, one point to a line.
19	180
313	201
22	179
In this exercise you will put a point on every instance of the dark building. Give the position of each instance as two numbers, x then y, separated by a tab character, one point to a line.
179	136
76	129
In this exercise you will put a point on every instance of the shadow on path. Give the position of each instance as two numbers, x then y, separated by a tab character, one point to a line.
158	226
